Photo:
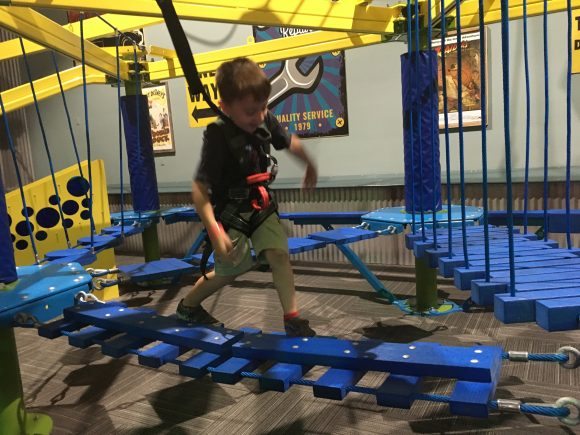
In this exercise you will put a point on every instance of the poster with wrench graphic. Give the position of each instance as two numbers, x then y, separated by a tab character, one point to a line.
308	94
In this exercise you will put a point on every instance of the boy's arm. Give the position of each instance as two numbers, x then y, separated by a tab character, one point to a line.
311	175
220	240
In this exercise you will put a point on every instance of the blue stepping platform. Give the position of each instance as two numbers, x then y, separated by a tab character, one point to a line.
126	230
343	235
546	277
101	241
164	268
130	216
229	355
556	219
43	291
82	256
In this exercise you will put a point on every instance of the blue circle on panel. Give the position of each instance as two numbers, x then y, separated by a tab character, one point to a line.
68	223
41	235
22	228
77	186
28	210
70	207
21	245
85	215
53	200
47	217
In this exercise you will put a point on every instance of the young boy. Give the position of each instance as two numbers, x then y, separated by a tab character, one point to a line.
234	149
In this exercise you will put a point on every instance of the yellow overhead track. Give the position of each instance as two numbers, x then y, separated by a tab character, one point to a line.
36	27
21	96
93	28
268	51
315	14
492	8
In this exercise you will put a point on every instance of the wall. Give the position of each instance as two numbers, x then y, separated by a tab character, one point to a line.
372	153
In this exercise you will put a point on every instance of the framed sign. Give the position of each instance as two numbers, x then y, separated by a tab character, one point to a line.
160	119
308	94
470	79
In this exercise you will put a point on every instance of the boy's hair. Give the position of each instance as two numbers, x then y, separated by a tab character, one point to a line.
238	78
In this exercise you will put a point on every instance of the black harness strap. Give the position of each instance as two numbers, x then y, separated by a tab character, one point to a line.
184	53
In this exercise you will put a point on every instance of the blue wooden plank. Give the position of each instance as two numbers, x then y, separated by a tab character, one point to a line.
197	365
298	244
368	355
334	383
100	241
166	267
147	324
56	328
88	336
278	377
321	218
123	344
558	314
343	235
399	391
229	372
159	354
126	230
522	306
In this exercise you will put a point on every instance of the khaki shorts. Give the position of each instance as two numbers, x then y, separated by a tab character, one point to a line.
269	235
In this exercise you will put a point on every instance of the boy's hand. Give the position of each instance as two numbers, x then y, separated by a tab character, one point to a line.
220	241
310	177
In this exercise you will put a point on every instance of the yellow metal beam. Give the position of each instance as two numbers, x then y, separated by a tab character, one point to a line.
21	96
34	26
314	14
93	28
267	51
492	8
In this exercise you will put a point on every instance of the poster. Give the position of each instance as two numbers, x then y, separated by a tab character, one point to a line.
470	80
160	119
308	94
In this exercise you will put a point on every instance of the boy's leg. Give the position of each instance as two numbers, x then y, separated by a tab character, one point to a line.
283	278
190	309
204	288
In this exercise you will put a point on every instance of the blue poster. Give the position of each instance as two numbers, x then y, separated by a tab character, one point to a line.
308	94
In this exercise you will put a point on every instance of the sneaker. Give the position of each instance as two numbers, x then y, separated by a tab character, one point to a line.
195	315
298	327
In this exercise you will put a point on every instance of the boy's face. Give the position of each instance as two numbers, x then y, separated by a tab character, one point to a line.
246	113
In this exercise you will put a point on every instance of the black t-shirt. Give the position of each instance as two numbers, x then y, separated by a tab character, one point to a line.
219	170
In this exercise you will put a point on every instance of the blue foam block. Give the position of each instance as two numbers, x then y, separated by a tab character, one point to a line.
513	309
462	276
558	314
278	377
335	383
369	355
419	248
448	265
399	391
471	398
159	354
483	292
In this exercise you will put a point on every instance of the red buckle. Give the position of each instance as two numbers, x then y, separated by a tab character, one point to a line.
263	200
258	178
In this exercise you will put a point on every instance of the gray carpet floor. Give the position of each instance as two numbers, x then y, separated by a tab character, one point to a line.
88	393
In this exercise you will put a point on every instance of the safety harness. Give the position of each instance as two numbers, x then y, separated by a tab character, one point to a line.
250	194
